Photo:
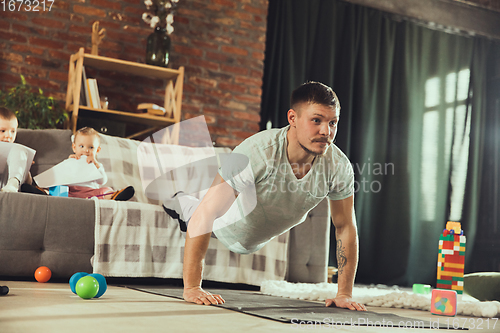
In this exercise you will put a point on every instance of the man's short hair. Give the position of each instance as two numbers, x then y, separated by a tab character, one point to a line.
87	131
6	113
314	93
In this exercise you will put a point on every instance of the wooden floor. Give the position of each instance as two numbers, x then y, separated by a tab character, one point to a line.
52	307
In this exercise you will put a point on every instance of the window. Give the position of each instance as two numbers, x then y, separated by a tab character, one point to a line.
445	142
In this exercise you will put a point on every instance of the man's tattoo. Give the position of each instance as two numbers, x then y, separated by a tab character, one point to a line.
341	258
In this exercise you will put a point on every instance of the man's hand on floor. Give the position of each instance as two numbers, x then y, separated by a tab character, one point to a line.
345	302
199	296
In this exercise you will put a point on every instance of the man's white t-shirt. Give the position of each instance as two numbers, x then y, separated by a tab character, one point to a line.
274	200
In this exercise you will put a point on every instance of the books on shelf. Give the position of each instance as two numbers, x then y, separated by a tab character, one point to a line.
84	91
151	108
89	93
95	101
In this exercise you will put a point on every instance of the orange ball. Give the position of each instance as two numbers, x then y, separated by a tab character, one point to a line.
43	274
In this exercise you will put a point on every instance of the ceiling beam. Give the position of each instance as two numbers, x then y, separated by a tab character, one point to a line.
448	13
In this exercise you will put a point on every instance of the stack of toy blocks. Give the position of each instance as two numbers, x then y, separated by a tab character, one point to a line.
451	258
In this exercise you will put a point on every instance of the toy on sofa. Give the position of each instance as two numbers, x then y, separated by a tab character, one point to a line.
451	258
59	191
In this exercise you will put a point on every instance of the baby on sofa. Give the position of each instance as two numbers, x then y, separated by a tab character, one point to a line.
17	158
86	145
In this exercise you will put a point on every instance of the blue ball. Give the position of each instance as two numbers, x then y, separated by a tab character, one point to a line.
74	279
103	286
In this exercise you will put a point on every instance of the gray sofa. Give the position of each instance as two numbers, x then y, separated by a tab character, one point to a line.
58	232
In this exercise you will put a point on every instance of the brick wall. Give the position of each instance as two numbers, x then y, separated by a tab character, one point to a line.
219	42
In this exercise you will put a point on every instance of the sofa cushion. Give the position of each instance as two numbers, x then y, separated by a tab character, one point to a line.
484	286
39	230
52	146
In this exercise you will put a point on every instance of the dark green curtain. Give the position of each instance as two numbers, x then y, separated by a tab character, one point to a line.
412	103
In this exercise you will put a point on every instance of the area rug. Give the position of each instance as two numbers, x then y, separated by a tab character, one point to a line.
378	295
299	313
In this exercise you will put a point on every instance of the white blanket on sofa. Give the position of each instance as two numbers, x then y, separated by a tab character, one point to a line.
141	240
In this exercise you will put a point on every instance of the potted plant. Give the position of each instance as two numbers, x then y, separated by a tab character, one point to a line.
33	109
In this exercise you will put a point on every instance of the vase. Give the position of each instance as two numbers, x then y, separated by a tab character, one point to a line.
158	48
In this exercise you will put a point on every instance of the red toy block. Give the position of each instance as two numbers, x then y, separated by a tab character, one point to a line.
444	302
447	245
451	269
442	286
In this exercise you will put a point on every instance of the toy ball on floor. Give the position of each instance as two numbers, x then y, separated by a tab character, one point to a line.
74	279
103	286
43	274
4	290
87	287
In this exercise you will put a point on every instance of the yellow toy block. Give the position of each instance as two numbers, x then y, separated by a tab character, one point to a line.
455	226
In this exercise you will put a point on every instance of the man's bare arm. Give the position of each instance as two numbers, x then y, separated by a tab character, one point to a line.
214	204
194	253
346	233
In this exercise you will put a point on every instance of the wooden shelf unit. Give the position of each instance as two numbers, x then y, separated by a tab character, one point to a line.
173	91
